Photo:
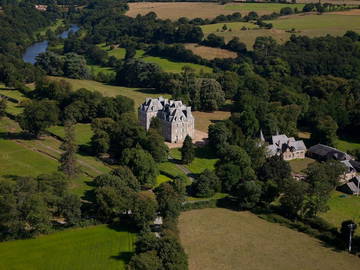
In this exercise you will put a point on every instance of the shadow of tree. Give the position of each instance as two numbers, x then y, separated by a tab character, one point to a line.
16	136
123	256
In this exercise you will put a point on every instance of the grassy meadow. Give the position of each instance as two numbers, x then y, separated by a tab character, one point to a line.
83	132
165	64
137	94
98	247
24	157
311	25
221	239
208	10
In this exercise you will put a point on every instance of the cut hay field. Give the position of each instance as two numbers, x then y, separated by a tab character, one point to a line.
192	10
221	239
98	247
210	53
311	25
165	64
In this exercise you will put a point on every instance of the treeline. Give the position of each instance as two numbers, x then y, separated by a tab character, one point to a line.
33	206
18	24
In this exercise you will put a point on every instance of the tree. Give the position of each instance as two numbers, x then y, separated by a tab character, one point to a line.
127	177
141	164
235	45
3	103
143	210
68	163
38	116
248	194
249	123
172	254
286	11
169	200
275	168
211	95
325	131
52	63
156	146
69	208
219	135
206	185
130	52
75	66
294	198
148	260
187	151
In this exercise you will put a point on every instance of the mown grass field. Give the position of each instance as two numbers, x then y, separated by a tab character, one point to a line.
24	157
165	64
311	25
220	239
98	247
192	10
83	132
342	207
204	119
138	95
347	144
204	159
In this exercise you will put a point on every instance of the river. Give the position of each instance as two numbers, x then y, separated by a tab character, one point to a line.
40	47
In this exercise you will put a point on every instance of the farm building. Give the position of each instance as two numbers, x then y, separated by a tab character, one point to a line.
323	152
288	148
176	118
351	187
350	172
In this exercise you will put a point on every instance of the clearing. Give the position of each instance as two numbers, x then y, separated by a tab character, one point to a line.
165	64
223	239
192	10
209	52
97	247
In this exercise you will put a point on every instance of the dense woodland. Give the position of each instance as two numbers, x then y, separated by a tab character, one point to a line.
310	84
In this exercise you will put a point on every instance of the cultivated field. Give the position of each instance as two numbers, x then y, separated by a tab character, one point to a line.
311	25
203	10
98	247
209	52
221	239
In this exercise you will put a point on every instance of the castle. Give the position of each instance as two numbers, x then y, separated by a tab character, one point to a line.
176	118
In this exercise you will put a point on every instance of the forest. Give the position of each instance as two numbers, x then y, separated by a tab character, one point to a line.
305	84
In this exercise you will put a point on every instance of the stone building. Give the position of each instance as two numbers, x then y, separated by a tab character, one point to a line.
176	118
288	148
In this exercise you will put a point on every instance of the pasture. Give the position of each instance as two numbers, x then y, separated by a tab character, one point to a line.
138	95
299	165
83	132
311	25
97	247
192	10
221	239
165	64
24	157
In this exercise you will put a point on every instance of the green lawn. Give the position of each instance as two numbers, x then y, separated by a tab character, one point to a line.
204	159
273	7
162	179
83	132
299	165
347	144
97	247
52	27
137	94
165	64
170	168
342	207
95	69
15	94
23	157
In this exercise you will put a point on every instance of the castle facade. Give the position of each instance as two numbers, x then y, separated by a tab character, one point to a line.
175	117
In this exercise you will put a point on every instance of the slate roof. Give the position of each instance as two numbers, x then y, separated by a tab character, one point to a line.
168	110
328	152
281	143
351	187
